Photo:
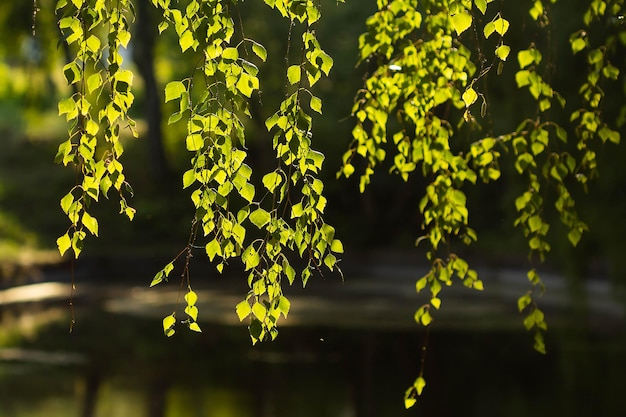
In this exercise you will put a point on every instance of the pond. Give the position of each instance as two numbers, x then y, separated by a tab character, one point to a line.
117	363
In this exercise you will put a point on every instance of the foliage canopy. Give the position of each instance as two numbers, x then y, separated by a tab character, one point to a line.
423	110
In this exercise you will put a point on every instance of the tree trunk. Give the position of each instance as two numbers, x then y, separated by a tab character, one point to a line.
90	395
143	55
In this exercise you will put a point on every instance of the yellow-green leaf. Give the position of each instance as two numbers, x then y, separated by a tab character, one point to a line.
503	51
192	312
271	181
469	96
293	74
191	297
173	90
64	243
501	26
90	223
230	54
168	325
243	309
194	142
316	104
420	383
461	22
260	217
259	50
481	5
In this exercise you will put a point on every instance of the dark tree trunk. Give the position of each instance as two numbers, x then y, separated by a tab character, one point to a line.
156	398
143	55
92	385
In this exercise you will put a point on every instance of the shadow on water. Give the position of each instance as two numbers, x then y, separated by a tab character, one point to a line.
117	362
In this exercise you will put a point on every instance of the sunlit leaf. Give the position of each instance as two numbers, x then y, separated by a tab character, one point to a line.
259	50
243	309
64	243
90	223
173	90
191	298
293	74
260	217
461	22
168	325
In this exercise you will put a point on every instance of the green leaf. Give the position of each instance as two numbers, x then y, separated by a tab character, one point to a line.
409	402
189	177
330	260
293	74
94	82
194	326
230	54
489	29
535	223
284	305
168	325
213	248
68	106
192	312
501	26
289	271
260	218
259	50
578	45
419	385
247	84
64	243
525	58
469	96
90	223
173	90
243	309
250	257
259	311
523	302
247	192
66	202
336	246
327	62
461	22
574	236
186	40
272	180
191	298
316	104
194	142
503	51
481	5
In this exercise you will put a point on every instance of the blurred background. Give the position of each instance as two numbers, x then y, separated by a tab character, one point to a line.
349	347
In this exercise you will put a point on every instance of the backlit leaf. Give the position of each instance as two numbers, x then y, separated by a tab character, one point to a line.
90	223
293	74
243	309
503	51
64	243
260	217
469	96
168	325
173	90
191	298
259	50
461	22
316	104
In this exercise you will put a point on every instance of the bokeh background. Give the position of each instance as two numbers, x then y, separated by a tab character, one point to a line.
350	346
